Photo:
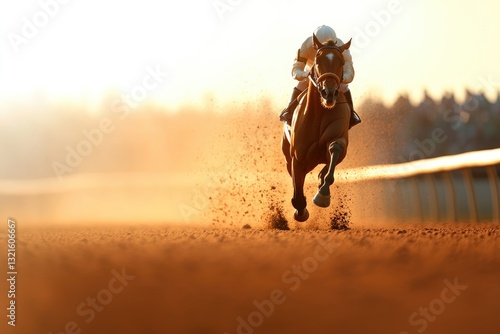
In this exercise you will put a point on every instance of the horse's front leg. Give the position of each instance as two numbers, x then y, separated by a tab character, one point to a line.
285	148
321	175
299	200
322	197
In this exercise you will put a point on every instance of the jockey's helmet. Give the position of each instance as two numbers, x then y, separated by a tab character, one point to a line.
325	34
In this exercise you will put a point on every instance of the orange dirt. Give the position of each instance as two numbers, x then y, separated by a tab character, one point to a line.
199	279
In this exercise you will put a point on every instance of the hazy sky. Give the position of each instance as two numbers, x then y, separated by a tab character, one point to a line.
175	51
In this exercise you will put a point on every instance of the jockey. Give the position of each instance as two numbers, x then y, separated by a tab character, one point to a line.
305	57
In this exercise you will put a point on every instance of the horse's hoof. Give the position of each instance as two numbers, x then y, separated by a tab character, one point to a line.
301	218
323	201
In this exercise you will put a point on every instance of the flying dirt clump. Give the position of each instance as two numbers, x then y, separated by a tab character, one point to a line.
341	218
275	219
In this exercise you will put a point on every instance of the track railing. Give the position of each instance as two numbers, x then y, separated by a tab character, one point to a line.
424	177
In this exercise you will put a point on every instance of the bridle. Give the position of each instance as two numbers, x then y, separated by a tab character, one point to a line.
313	76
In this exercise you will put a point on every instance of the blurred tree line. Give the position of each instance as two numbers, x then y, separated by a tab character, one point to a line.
432	127
36	133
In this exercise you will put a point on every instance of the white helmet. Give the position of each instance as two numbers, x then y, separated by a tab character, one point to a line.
325	34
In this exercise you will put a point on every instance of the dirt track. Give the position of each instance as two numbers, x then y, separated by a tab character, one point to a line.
210	280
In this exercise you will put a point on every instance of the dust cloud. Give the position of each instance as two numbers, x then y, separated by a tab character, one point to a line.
218	164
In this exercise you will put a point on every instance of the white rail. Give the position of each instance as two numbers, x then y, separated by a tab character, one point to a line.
442	164
428	168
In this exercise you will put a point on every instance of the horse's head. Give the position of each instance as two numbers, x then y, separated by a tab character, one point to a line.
327	70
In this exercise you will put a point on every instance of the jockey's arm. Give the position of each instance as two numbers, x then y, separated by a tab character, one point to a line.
298	72
348	67
303	57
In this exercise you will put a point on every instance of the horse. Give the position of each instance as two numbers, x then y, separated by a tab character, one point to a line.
319	130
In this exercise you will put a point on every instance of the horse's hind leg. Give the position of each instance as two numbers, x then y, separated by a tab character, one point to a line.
299	200
322	197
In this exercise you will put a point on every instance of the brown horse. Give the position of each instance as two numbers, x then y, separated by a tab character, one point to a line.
320	124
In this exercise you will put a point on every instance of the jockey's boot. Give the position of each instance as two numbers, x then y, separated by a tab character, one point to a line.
287	113
355	119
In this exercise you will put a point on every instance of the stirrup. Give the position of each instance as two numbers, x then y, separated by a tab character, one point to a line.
354	120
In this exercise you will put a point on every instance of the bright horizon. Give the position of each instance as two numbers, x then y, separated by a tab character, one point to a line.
234	49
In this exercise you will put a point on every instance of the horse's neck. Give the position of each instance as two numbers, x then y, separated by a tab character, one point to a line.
313	98
341	98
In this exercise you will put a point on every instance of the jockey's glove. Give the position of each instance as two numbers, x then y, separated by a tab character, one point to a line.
301	75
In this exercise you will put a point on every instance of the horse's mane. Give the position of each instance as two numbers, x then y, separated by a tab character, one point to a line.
330	43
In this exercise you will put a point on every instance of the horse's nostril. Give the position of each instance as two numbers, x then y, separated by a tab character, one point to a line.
325	94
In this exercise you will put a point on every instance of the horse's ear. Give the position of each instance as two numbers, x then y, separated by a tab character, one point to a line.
346	46
316	42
